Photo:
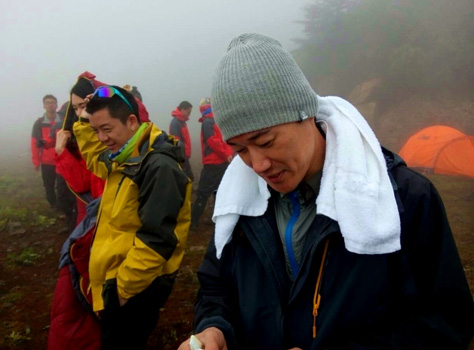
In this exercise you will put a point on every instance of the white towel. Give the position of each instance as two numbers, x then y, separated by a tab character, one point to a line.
355	187
241	192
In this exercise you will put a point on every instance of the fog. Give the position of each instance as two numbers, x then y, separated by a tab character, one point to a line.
168	49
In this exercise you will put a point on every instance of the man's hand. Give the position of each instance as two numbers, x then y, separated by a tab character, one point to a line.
211	338
62	137
37	167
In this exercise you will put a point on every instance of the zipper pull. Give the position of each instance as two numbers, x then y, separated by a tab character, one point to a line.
315	313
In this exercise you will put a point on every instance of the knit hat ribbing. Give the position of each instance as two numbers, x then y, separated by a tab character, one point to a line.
257	84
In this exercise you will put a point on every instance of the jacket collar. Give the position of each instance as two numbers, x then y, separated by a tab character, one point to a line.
179	115
153	140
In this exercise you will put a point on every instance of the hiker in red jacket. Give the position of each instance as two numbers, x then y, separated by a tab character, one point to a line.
57	193
216	155
41	157
179	128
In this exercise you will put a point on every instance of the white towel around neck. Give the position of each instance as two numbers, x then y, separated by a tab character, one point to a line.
355	186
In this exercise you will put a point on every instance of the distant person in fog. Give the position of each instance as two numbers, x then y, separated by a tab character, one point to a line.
42	158
134	91
179	128
216	156
138	96
57	193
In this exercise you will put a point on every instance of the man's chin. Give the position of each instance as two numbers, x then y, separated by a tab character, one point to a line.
283	188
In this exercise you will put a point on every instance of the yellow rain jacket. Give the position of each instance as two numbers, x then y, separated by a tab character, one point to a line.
144	215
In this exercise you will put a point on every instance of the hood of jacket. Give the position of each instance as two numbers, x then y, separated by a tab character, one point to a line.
207	113
179	115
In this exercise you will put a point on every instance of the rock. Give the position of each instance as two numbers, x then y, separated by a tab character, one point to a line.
15	228
364	92
363	97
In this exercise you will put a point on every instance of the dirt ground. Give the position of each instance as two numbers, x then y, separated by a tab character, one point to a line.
30	242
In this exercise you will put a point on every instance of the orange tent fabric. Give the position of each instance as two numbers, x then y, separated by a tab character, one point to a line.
441	150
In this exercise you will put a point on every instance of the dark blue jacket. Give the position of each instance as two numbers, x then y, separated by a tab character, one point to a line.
416	298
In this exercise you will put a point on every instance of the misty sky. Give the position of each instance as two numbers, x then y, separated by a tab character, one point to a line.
168	49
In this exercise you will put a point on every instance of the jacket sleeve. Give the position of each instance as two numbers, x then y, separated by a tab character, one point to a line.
214	306
175	129
74	171
94	152
35	150
435	307
164	211
215	142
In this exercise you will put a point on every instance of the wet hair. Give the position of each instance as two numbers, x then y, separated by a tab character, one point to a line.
117	108
185	105
49	97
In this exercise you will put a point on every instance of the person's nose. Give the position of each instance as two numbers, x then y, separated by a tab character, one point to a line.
260	163
79	111
102	136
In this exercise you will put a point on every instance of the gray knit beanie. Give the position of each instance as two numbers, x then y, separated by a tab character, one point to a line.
257	84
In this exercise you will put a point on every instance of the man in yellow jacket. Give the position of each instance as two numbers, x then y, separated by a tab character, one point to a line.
143	219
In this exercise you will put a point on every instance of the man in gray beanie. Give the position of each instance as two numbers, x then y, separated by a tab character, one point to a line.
324	239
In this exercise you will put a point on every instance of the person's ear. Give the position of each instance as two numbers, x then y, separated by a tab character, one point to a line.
133	122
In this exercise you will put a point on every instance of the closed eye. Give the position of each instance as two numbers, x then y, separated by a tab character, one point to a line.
240	151
266	144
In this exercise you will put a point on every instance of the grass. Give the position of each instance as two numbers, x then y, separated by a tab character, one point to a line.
15	337
12	297
13	214
7	183
26	257
44	221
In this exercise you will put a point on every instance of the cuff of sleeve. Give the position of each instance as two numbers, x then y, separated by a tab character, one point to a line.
59	157
121	292
223	325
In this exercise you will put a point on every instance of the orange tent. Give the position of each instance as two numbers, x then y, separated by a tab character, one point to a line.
441	150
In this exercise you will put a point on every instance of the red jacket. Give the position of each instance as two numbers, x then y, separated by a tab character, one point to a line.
39	139
213	148
73	325
179	128
78	178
